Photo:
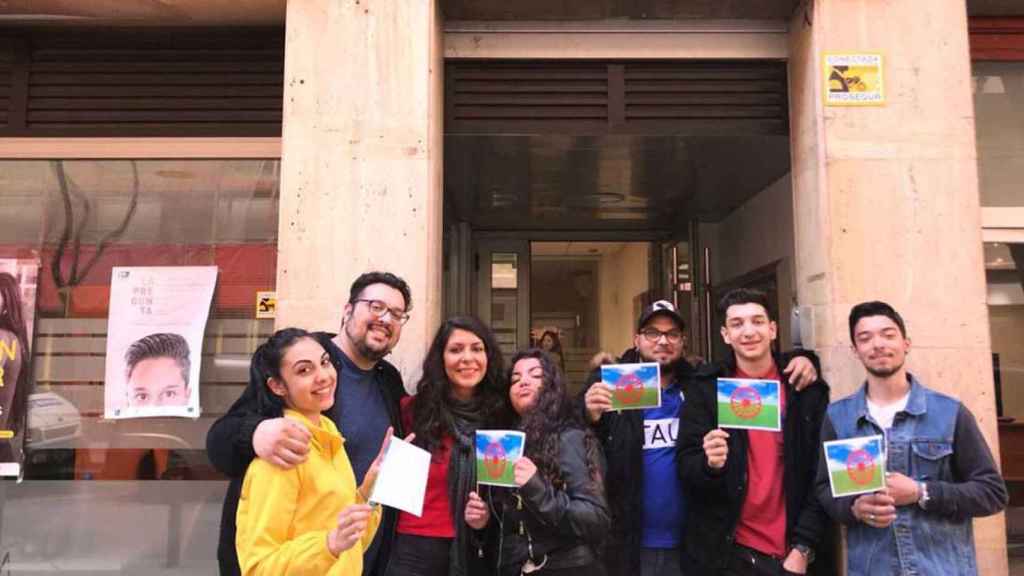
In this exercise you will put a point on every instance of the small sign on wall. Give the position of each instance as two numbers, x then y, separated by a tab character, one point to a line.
266	305
853	79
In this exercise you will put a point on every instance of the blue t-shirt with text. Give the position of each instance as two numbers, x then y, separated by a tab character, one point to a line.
664	506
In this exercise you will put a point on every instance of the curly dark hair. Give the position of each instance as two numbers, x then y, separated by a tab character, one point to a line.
432	405
553	413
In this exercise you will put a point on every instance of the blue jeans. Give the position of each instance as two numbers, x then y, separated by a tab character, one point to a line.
660	562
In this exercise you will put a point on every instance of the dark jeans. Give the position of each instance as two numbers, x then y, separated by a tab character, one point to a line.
418	556
660	562
749	562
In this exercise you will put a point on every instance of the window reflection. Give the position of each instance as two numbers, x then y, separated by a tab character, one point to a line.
999	123
1004	273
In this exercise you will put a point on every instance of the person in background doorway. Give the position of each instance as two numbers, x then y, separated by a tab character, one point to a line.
552	344
554	523
940	472
461	391
367	403
753	509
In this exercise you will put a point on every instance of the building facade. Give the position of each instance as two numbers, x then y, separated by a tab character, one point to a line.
546	166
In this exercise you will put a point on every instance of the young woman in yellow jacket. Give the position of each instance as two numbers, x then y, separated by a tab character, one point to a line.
311	519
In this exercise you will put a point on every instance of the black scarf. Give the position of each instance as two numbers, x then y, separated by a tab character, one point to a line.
466	417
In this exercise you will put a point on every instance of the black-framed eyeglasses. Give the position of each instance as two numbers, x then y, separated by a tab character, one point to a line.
380	309
652	335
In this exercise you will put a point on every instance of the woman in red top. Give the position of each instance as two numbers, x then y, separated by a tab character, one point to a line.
461	390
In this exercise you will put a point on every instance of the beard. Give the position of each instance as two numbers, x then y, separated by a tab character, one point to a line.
363	347
664	360
883	372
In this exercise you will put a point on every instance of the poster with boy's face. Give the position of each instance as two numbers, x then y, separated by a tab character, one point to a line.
19	278
154	340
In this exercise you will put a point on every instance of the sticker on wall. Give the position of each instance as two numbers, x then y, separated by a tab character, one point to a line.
155	340
266	305
853	79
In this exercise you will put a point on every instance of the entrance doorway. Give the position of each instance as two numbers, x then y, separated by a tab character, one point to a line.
578	192
574	299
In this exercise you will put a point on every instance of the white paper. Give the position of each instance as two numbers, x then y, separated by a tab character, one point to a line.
160	314
402	481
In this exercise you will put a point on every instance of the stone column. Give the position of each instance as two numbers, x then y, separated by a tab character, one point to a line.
886	203
361	161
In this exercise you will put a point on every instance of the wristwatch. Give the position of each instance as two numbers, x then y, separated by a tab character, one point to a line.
806	551
924	498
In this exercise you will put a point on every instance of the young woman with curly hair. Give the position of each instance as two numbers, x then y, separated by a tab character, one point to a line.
555	521
461	390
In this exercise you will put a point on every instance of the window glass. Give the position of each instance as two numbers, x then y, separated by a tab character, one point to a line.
999	123
130	496
1004	273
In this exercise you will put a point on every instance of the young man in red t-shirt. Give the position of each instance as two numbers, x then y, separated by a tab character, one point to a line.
752	490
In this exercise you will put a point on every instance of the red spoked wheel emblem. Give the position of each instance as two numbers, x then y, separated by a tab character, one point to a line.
860	466
495	460
629	389
745	402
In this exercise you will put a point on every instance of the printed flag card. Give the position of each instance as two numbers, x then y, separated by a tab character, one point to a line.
753	404
496	454
634	386
855	465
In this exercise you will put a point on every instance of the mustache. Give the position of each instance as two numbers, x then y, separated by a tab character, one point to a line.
380	325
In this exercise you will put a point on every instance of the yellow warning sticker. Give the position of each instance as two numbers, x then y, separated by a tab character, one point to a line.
853	79
266	304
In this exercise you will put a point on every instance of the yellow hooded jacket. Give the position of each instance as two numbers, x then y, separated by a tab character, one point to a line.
284	516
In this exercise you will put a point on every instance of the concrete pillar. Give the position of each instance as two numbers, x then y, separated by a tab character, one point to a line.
361	160
886	202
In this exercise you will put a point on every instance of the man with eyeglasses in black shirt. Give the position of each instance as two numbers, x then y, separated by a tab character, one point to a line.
367	403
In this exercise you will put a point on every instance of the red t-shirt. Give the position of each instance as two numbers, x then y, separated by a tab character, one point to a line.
762	524
436	520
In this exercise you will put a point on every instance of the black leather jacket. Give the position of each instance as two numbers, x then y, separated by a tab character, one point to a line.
566	524
717	496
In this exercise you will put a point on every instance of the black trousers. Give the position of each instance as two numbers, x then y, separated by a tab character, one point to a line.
413	555
745	561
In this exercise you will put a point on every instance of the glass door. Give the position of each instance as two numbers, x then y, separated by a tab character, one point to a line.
502	297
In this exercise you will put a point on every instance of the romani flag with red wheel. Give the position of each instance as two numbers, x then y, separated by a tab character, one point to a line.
856	465
747	403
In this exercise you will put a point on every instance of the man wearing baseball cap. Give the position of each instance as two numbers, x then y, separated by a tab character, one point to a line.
644	488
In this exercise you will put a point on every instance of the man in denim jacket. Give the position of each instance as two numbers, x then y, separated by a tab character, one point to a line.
940	472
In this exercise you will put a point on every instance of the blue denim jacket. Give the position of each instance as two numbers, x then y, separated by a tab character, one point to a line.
919	445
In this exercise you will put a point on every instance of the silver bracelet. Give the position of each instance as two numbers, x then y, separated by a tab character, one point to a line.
923	498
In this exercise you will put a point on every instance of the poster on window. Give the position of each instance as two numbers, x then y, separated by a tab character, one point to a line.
18	281
155	338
